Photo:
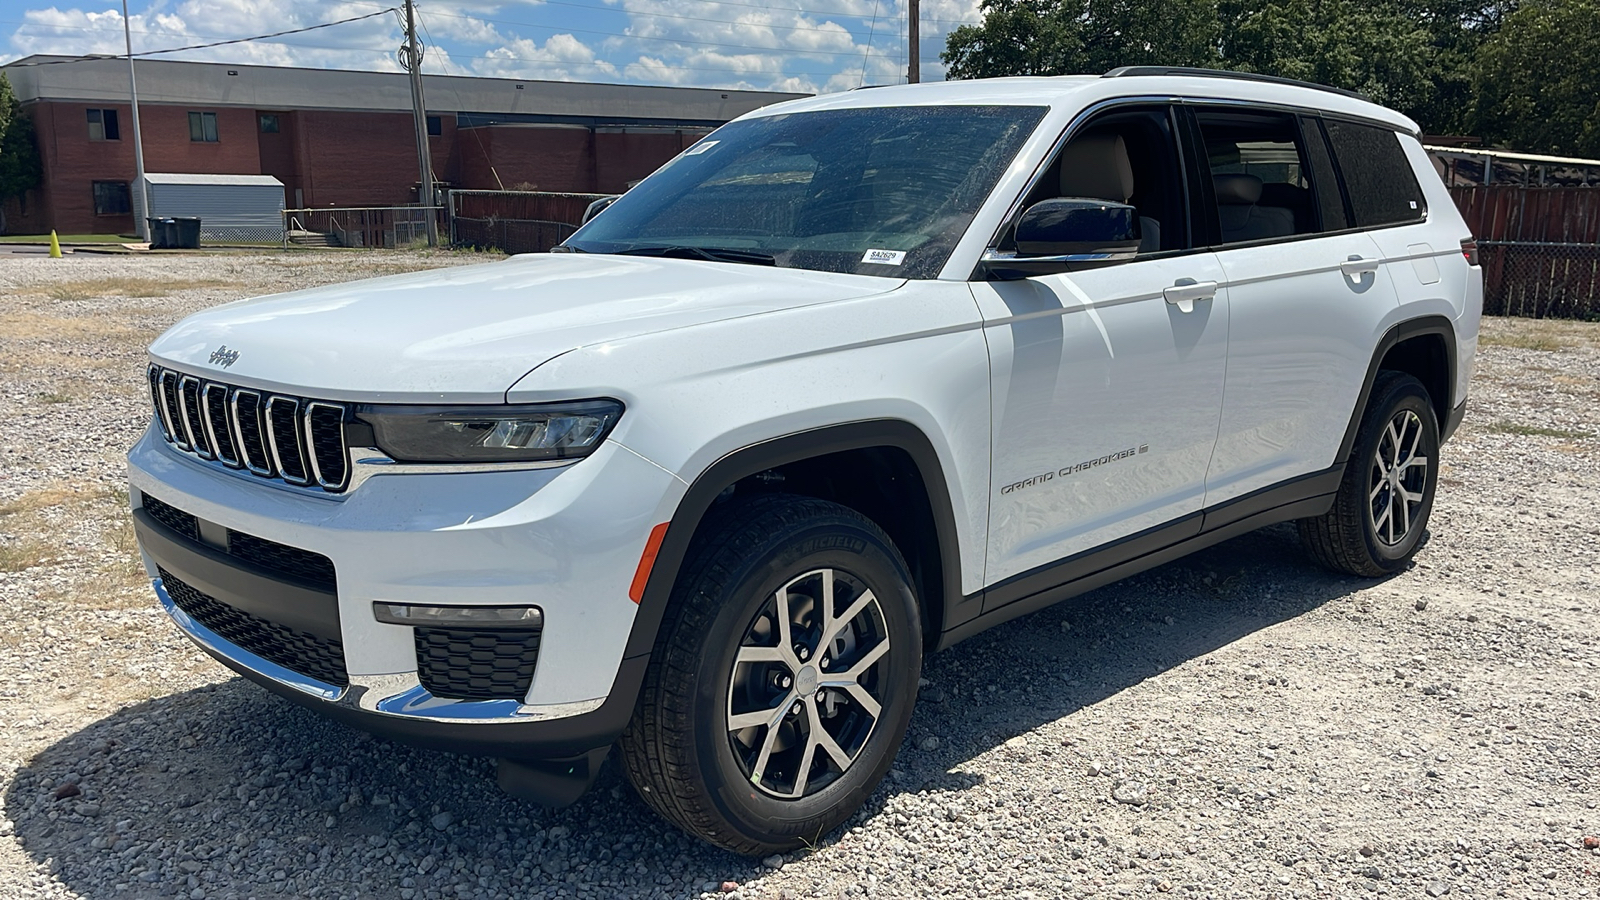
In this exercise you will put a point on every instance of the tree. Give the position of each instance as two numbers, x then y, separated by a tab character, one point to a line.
1539	79
20	168
1040	37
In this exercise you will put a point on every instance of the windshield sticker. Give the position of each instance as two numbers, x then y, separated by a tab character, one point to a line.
885	257
700	148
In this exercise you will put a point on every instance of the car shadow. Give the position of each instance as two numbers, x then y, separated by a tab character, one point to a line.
228	790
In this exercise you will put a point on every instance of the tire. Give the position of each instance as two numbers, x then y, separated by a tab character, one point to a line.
1376	524
720	654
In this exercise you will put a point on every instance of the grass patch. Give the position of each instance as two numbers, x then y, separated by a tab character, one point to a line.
68	239
24	554
1543	335
1524	341
84	289
32	325
56	397
1537	431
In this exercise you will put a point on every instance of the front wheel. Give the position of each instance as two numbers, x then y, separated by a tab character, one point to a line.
1381	511
783	679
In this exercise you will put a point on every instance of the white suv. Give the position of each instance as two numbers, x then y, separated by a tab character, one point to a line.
848	381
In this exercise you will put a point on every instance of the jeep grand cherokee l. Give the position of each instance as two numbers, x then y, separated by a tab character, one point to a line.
849	380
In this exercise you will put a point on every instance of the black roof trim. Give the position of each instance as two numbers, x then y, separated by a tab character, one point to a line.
1127	71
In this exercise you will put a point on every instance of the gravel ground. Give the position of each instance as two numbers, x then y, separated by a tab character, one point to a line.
1237	724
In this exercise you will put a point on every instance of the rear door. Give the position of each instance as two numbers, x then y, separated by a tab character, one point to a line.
1308	293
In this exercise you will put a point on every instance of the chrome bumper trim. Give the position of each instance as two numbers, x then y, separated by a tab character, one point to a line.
401	695
217	644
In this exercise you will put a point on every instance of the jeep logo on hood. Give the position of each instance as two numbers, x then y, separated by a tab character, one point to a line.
224	357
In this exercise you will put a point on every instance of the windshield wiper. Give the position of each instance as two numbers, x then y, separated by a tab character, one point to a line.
713	254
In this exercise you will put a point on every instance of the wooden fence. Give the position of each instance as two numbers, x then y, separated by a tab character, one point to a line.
1540	248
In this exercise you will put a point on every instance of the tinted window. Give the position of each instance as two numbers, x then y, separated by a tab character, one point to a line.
1383	190
1324	178
103	125
203	127
1260	178
269	123
884	191
111	198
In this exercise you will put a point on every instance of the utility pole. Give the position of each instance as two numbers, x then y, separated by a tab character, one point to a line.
913	42
141	227
411	58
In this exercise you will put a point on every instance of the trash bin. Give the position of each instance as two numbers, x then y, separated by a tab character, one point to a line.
185	232
163	234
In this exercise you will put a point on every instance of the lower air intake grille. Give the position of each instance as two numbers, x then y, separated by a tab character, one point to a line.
172	517
314	569
476	665
312	656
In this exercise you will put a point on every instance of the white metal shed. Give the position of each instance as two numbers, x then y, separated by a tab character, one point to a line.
231	208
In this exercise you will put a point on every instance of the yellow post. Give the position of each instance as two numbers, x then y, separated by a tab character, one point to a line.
55	245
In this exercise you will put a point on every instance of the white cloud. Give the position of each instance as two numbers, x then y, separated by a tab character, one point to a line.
789	45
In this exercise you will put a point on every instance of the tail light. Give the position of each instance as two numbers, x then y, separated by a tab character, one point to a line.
1469	249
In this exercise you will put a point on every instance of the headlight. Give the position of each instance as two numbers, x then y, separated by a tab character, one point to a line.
491	433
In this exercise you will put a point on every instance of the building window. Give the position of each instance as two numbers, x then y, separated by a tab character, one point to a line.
203	127
435	125
103	125
111	198
269	123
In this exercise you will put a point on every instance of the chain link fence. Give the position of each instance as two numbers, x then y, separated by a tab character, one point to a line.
515	221
1541	280
377	227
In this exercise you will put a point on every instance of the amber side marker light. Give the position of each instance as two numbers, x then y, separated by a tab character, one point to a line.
641	577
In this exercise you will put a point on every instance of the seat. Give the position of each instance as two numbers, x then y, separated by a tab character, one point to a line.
1097	166
1241	216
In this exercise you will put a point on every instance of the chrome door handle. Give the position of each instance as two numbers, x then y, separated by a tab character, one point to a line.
1183	293
1357	265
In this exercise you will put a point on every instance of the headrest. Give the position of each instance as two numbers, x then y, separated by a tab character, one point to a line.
1097	166
1237	189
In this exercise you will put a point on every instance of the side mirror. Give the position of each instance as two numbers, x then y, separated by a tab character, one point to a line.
1062	233
595	208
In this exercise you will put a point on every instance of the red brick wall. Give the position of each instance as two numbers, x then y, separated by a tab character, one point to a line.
549	158
625	157
365	159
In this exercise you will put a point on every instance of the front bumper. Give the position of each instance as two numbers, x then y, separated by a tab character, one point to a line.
562	539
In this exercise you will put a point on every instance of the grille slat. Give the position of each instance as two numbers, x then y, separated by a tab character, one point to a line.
294	439
476	665
193	422
283	436
214	403
311	655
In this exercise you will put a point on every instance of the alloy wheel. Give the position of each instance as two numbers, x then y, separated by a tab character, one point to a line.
807	685
1398	479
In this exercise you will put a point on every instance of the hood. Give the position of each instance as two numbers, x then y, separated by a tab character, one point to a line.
467	334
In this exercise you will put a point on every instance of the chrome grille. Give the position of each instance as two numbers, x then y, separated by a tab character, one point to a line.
297	440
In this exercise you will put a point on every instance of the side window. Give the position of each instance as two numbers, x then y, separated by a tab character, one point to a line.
1383	189
1260	178
1324	177
1127	155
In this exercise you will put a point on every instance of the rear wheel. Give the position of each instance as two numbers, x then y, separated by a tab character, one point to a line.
783	679
1381	511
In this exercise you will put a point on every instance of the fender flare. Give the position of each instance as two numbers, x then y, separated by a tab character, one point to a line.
1403	331
779	451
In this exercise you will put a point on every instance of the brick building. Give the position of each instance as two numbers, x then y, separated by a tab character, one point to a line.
338	138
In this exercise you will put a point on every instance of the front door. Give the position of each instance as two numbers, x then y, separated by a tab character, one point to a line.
1107	382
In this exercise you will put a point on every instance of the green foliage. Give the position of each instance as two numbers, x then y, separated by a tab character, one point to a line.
1039	37
20	167
1539	79
1522	74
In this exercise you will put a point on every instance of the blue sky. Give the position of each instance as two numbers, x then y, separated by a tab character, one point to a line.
792	45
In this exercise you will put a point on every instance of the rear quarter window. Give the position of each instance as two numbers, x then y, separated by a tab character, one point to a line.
1377	176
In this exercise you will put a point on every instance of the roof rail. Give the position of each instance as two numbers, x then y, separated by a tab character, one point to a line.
1127	71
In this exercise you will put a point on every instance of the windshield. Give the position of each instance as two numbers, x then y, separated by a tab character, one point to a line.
880	191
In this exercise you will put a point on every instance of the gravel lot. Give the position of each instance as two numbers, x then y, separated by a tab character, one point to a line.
1237	724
